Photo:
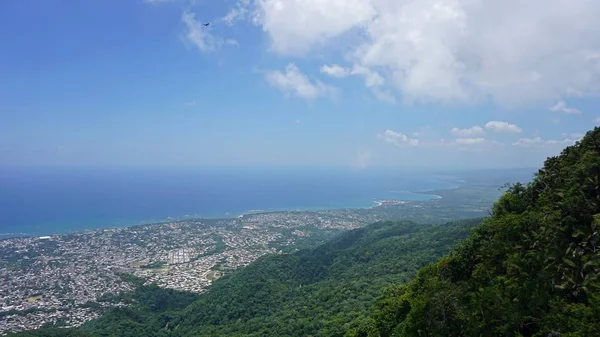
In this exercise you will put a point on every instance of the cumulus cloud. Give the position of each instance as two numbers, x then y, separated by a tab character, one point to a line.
448	50
297	25
561	106
398	139
292	81
373	80
502	127
335	71
469	132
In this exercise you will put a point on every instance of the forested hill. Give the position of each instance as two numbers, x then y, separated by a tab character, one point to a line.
531	269
316	292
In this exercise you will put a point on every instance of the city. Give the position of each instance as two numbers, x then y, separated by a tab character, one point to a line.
59	279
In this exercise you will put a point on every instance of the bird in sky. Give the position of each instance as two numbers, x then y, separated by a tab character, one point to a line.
206	24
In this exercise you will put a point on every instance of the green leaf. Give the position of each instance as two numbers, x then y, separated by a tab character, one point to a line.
569	262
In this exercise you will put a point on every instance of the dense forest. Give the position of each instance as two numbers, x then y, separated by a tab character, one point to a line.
530	269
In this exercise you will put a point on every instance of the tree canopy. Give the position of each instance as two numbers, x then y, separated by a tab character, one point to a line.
531	269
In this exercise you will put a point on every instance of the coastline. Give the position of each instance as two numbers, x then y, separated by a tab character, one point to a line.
121	224
436	191
376	202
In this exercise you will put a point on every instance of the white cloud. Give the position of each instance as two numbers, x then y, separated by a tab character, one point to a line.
398	139
192	103
373	80
293	82
538	142
237	13
448	50
574	136
597	120
469	132
297	25
561	106
198	35
383	96
503	127
469	141
335	71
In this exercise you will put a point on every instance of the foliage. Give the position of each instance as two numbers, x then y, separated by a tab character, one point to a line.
532	269
317	292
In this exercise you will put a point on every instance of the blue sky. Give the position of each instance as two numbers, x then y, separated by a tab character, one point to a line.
353	83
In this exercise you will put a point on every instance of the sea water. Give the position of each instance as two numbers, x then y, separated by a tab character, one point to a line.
44	201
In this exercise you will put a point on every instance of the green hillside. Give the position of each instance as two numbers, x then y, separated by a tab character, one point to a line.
316	292
532	269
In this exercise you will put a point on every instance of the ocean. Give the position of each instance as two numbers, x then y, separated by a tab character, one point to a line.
57	201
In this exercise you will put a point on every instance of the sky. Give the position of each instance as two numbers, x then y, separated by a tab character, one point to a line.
318	83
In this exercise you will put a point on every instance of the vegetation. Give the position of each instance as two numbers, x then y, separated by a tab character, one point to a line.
531	269
317	292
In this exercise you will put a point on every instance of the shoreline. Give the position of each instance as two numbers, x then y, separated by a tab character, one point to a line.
377	203
229	216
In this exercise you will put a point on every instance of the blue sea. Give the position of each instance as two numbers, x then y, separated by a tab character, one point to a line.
57	201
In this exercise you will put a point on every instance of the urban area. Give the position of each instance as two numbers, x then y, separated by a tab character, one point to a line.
50	279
